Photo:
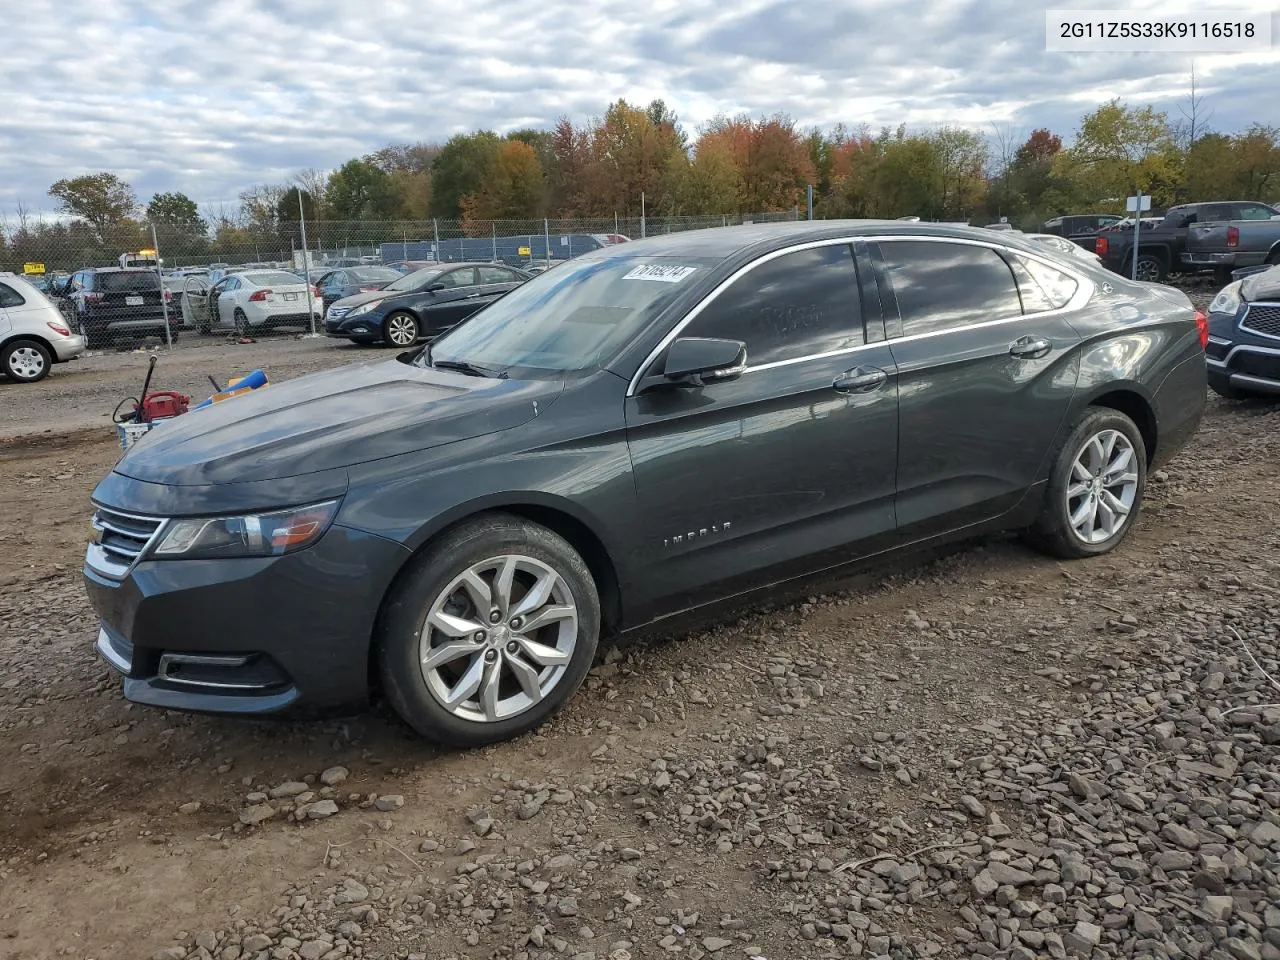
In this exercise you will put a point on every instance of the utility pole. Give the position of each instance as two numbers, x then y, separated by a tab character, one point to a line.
155	246
306	265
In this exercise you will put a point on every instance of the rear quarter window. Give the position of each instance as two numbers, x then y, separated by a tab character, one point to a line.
10	297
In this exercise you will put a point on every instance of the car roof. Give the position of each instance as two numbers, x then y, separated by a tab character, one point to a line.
118	270
725	242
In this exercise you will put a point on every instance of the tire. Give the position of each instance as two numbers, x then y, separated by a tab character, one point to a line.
1150	268
565	646
26	361
239	324
401	330
1054	532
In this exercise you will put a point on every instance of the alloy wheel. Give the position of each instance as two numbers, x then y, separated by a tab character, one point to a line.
498	638
1148	270
402	330
1102	488
26	363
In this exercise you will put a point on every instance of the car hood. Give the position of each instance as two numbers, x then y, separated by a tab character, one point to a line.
358	298
1262	286
331	420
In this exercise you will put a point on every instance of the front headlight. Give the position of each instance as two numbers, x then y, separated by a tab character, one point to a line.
1227	300
253	535
363	308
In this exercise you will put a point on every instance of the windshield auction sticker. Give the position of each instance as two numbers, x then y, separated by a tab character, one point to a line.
663	273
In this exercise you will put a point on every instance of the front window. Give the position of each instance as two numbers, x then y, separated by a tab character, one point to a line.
371	275
571	319
416	280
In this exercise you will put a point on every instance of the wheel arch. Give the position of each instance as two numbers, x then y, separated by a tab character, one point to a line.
1133	402
557	515
15	337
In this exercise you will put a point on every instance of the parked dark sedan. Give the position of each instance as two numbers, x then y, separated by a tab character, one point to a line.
648	429
352	281
424	303
1244	337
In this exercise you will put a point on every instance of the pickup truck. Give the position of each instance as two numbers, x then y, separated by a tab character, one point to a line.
1245	241
1162	249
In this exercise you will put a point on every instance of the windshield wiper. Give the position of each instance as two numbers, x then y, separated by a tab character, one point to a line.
471	369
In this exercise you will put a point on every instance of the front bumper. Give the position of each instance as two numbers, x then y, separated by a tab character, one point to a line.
367	326
249	635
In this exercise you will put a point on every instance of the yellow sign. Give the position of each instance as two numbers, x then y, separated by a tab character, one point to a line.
524	251
33	268
146	253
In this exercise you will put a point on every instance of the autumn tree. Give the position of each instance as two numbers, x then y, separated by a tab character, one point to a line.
513	190
634	152
771	156
101	200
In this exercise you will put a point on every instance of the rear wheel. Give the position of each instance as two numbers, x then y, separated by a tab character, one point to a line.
1095	488
400	330
489	633
26	361
96	336
1150	268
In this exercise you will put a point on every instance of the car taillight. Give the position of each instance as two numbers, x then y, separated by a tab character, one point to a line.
58	329
1233	236
259	295
1101	246
1202	325
168	296
315	292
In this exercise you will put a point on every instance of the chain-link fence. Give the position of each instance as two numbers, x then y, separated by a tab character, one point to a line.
60	247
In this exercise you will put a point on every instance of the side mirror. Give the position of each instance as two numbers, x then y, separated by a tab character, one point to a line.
434	287
696	361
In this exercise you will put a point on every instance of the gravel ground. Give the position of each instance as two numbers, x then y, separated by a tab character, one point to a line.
980	753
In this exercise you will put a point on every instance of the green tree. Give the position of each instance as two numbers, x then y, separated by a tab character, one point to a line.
1119	149
460	169
1211	162
358	190
101	200
180	230
908	178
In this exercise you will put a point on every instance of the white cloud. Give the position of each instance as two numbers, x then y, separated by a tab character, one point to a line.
211	96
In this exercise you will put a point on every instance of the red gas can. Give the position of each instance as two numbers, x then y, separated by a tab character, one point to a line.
164	403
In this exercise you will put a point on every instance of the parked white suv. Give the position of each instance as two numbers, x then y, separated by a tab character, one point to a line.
33	334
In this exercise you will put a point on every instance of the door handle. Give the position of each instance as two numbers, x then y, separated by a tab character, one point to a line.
472	296
1030	348
859	380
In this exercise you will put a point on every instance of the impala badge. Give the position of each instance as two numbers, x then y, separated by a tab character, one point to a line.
698	534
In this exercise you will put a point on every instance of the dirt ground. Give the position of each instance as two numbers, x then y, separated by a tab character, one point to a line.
833	776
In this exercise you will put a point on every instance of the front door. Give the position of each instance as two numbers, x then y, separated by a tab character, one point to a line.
983	387
752	480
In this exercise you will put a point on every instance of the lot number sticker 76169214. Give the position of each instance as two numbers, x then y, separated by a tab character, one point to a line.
664	273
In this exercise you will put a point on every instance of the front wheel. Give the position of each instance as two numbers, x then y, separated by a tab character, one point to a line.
240	324
1095	490
489	633
400	330
26	361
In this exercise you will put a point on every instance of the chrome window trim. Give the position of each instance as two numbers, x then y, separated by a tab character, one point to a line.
1083	294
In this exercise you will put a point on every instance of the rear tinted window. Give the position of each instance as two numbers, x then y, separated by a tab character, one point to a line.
128	280
940	286
10	297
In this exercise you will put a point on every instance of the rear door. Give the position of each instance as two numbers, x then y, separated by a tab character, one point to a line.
9	299
791	466
983	386
129	294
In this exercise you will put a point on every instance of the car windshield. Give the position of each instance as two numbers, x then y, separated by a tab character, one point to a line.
415	280
571	319
372	274
277	278
127	280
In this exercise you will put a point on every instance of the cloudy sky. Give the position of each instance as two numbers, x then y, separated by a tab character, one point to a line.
211	96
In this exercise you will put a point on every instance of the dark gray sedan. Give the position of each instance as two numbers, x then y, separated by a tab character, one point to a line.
352	281
647	430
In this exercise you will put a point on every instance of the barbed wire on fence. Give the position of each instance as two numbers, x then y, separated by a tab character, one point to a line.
64	246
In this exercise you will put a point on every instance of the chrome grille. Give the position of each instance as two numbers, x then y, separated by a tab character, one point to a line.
337	313
1262	318
119	540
